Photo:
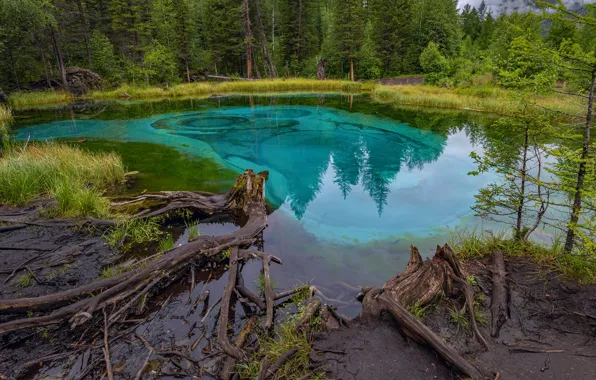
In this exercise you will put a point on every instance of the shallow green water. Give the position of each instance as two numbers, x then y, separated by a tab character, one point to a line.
353	182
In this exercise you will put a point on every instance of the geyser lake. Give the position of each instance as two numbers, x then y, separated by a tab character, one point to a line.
352	182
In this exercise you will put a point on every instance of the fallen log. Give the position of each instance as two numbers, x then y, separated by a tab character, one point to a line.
423	333
246	199
498	308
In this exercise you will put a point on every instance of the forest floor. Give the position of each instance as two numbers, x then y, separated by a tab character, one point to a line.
551	332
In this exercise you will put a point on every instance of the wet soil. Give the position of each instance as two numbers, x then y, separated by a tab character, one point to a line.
551	334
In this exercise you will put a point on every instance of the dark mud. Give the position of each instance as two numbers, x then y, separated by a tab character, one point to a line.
551	334
44	260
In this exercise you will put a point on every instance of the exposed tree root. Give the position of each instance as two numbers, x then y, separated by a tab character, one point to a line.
245	199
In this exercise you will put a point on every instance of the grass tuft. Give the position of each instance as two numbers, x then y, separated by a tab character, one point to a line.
5	113
136	231
75	176
418	310
193	229
166	243
25	281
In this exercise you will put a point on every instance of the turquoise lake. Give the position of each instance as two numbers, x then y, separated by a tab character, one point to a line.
353	183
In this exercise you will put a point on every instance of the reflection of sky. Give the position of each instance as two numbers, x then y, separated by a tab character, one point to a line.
419	200
341	175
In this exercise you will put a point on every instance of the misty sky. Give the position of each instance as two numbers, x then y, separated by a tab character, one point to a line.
496	4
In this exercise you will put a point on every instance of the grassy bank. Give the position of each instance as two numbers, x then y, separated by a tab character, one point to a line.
75	178
482	98
24	100
475	245
239	87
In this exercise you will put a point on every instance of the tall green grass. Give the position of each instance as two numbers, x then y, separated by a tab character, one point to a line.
209	88
485	98
5	113
474	244
23	100
74	177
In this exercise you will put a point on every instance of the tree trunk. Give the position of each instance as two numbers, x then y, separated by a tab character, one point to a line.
522	190
248	41
85	32
3	97
298	43
187	69
577	199
351	69
59	61
272	68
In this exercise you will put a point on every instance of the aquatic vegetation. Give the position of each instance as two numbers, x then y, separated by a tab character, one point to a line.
166	243
260	284
135	231
193	229
23	100
110	271
45	169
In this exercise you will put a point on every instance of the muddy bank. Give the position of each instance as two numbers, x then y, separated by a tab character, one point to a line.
550	333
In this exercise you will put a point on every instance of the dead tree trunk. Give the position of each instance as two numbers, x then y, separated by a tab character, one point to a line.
59	60
85	32
321	68
248	36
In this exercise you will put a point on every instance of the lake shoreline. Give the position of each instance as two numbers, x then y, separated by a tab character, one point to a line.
483	98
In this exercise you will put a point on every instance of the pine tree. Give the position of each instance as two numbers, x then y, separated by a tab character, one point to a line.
391	28
348	30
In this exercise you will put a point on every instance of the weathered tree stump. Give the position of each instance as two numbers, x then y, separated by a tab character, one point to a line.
421	283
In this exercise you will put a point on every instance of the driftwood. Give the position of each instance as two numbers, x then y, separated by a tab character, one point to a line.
311	310
498	308
280	362
228	368
269	294
245	199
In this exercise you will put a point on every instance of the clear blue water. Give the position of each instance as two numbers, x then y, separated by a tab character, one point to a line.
351	190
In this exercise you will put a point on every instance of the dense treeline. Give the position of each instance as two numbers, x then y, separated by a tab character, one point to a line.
159	41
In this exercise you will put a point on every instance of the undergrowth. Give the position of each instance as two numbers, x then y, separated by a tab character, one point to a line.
473	244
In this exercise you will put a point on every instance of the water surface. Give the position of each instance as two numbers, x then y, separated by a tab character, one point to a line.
353	183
